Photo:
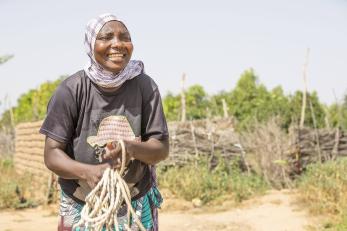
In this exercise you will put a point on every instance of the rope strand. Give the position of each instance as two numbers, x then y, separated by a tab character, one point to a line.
104	201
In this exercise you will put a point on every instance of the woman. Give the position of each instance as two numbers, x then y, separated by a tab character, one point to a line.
112	98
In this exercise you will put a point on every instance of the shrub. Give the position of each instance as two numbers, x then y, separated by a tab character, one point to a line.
198	181
266	146
323	188
15	189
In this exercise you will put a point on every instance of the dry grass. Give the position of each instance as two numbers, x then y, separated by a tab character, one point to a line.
323	190
16	190
198	181
266	146
6	143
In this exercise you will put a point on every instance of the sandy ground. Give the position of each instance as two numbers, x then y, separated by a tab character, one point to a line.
273	212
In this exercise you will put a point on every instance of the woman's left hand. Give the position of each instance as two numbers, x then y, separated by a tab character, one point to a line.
113	152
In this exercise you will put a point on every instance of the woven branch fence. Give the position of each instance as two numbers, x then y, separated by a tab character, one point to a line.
211	139
319	145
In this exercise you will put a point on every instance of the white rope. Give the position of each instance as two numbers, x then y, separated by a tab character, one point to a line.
104	201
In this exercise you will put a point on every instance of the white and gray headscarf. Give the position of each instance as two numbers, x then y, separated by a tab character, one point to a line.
95	71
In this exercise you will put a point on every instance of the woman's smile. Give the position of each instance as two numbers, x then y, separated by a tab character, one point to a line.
116	57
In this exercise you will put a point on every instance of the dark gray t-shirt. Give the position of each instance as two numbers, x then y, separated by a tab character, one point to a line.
78	107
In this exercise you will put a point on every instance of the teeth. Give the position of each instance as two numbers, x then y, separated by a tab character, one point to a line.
115	55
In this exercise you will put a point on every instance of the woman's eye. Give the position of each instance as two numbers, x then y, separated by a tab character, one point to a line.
105	38
125	38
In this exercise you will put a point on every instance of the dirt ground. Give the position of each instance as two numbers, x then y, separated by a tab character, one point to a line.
275	211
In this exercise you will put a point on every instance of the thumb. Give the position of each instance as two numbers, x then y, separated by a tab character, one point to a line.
108	154
110	151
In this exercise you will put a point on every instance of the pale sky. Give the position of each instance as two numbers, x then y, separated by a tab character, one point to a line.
213	42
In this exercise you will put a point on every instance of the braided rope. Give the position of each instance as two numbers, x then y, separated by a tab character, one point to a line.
103	202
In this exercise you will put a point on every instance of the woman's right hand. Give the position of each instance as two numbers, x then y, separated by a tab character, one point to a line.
93	174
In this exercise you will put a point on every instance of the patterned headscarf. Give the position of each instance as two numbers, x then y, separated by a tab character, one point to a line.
94	70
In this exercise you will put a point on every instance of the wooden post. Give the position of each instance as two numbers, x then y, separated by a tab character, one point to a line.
339	110
208	113
243	157
225	109
192	130
335	150
183	99
316	133
326	118
10	130
7	103
210	134
303	109
12	118
35	106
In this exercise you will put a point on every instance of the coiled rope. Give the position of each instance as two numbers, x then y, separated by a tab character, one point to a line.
104	201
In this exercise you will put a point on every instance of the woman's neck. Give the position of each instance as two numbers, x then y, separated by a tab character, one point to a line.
110	90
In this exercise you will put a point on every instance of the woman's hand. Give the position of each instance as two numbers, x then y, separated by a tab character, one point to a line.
114	154
149	152
93	174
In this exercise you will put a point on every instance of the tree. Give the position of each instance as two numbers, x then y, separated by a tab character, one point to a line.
197	102
5	58
250	101
318	109
338	114
171	104
32	105
216	103
280	106
345	101
242	100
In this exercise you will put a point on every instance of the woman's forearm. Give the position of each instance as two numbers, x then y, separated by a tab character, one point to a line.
61	164
150	152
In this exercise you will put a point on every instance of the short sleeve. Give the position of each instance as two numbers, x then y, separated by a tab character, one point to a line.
153	119
60	121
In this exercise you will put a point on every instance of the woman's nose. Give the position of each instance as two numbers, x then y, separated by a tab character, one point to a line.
115	42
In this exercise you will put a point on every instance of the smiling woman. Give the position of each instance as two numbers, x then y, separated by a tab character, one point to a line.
105	38
113	46
110	101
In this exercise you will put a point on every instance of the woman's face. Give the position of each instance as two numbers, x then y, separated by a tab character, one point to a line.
113	46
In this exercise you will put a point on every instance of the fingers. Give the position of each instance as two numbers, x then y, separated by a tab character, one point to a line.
98	173
93	182
107	155
111	151
117	163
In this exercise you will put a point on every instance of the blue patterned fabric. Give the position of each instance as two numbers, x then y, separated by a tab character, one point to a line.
70	211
